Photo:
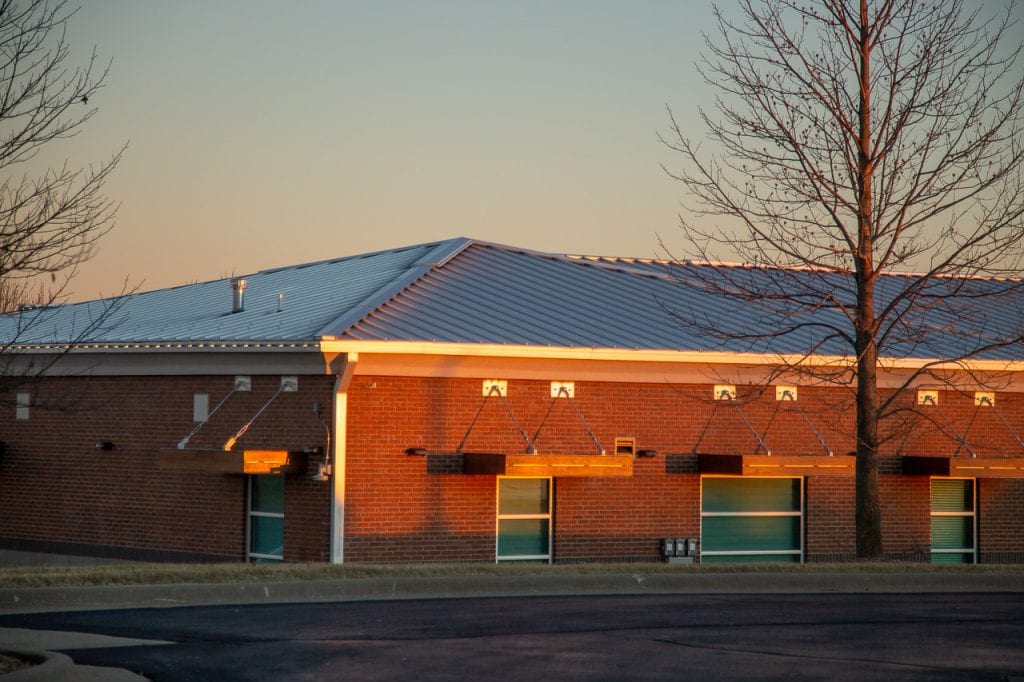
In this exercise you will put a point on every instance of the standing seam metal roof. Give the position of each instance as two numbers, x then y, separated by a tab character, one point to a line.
471	292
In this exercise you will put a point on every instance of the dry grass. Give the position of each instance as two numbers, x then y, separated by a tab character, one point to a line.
9	663
151	574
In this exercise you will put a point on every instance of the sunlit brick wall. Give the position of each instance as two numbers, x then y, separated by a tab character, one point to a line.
402	508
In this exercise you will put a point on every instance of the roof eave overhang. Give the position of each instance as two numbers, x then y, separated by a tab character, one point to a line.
650	355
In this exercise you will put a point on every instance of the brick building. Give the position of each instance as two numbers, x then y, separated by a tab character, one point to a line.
466	401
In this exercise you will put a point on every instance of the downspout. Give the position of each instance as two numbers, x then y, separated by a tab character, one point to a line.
343	367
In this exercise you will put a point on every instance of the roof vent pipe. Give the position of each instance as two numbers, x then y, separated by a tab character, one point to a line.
237	294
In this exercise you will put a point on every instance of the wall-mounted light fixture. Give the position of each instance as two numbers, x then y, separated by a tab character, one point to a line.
416	452
646	453
105	445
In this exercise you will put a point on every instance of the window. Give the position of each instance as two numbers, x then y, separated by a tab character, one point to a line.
266	518
21	410
952	513
524	519
746	520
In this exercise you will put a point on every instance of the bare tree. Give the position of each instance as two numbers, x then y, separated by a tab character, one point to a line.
16	294
853	139
50	221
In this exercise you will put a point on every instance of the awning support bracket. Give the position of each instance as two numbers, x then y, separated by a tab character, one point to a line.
245	427
495	390
961	438
787	396
564	392
183	443
726	396
987	402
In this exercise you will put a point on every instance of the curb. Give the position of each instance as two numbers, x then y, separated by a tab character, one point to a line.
41	599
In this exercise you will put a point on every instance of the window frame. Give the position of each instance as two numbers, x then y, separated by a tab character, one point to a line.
251	556
801	512
972	514
499	517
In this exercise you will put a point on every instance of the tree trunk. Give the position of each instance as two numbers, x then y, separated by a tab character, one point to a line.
869	516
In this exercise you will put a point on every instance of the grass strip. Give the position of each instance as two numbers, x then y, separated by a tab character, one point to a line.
156	574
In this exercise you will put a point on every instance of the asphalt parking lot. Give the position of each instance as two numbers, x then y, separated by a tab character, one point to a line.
924	636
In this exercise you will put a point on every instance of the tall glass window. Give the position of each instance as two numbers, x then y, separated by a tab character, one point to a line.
266	518
751	520
953	518
524	519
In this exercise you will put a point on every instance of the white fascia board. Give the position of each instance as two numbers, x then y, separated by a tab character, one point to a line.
197	362
642	355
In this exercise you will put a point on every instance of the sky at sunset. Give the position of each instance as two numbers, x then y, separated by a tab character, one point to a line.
264	134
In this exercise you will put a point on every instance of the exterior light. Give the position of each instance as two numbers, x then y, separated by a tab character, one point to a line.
416	452
646	453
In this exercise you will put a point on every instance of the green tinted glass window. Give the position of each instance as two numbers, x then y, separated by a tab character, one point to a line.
267	535
952	495
751	533
268	494
522	537
747	520
751	495
952	532
517	496
524	519
952	516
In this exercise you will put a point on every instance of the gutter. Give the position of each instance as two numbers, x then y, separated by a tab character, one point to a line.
328	345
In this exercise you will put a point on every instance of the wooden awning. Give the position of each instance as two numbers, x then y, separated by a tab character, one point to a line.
777	465
971	467
233	461
547	465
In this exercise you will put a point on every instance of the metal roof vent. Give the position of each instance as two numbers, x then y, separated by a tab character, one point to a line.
238	294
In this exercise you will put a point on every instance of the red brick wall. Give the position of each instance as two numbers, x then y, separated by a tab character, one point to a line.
906	519
1001	520
829	518
56	486
402	508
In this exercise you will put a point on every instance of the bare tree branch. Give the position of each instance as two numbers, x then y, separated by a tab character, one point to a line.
849	141
50	222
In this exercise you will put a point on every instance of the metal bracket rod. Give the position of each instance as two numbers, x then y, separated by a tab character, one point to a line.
184	441
495	390
788	396
726	397
562	390
985	400
245	427
961	439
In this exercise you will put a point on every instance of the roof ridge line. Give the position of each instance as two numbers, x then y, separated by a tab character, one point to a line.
436	257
